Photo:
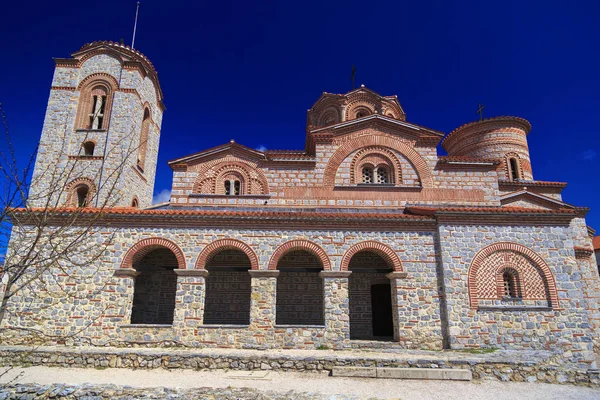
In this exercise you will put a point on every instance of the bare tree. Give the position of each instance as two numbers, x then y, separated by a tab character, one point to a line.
53	250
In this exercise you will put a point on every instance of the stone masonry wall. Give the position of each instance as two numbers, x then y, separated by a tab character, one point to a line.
106	317
564	328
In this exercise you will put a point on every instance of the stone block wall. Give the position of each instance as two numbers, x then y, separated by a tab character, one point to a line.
564	327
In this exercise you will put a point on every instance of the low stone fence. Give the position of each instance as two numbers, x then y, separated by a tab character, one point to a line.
113	392
517	366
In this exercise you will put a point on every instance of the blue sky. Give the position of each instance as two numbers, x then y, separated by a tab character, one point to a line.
249	70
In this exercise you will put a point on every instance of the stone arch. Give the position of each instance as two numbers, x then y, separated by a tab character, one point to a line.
382	250
144	246
379	140
300	244
108	52
526	252
226	244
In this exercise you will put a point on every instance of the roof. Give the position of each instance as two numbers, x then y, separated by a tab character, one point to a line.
129	52
468	160
596	242
521	183
232	145
423	210
519	120
173	216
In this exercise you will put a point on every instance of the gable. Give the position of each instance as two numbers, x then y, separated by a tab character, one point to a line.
527	199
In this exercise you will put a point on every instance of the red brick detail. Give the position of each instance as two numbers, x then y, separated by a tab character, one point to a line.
535	278
300	244
384	251
225	244
211	177
143	247
95	84
375	156
382	140
71	190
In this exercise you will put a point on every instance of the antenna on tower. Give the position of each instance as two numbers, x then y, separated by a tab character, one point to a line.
135	23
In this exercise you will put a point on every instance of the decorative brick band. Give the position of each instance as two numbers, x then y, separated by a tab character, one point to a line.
383	140
225	244
143	247
300	244
583	252
530	255
380	249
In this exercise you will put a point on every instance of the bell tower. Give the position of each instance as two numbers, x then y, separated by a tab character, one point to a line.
99	143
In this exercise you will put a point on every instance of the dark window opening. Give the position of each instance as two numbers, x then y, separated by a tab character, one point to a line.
514	169
134	203
509	284
155	288
299	297
88	148
82	196
228	288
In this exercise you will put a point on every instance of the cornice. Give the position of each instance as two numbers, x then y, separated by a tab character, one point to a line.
174	218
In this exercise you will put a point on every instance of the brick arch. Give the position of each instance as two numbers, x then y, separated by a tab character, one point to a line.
103	77
362	154
209	172
382	250
382	140
145	246
86	87
72	195
300	244
521	250
225	244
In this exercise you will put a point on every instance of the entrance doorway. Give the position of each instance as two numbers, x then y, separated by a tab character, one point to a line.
381	304
370	296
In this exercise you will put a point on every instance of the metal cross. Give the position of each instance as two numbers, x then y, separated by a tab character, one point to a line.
480	111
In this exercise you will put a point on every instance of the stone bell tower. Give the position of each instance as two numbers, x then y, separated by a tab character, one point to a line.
100	138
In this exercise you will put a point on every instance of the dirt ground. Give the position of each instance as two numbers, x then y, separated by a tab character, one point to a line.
318	383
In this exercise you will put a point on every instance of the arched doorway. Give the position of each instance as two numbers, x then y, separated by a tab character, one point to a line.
370	296
155	286
299	299
228	288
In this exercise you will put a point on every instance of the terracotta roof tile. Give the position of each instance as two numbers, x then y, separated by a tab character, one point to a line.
273	214
596	242
504	182
488	120
465	159
420	210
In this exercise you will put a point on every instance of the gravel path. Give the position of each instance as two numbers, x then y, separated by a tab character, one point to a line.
303	382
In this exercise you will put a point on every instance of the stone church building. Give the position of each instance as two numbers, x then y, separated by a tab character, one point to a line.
365	238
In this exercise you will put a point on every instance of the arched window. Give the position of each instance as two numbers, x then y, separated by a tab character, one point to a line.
510	284
88	148
95	100
361	114
134	203
232	187
367	174
383	174
514	169
82	191
143	146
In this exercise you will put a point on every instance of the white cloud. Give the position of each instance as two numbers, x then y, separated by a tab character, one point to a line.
261	148
589	155
162	197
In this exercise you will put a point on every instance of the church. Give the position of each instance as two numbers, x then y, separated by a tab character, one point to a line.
366	238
